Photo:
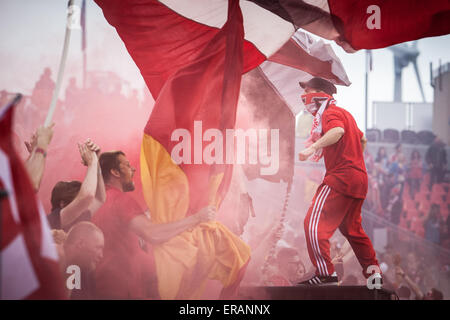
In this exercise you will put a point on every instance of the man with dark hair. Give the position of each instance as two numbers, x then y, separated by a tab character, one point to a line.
113	160
63	193
338	200
120	274
75	201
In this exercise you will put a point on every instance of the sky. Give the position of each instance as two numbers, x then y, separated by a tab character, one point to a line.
32	34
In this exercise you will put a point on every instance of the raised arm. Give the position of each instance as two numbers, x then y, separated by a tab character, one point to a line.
100	194
87	191
159	233
414	287
329	138
37	147
345	253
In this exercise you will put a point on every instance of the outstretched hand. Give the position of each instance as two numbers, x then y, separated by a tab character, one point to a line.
30	145
44	135
306	153
92	146
87	155
399	272
41	138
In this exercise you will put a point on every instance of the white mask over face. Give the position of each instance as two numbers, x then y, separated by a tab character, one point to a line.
313	101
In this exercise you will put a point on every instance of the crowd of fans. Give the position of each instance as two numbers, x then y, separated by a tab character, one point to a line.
411	192
102	231
408	194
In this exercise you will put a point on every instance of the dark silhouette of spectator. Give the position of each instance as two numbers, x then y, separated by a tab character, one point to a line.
43	90
382	170
385	192
404	293
415	175
432	224
395	206
436	158
73	96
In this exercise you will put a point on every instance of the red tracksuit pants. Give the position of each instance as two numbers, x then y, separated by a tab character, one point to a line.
331	210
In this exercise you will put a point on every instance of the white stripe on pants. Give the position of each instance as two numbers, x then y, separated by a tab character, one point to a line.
314	222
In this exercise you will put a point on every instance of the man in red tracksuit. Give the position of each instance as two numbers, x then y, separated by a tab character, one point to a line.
338	200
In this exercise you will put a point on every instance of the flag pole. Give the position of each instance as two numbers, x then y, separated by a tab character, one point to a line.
84	69
83	40
62	65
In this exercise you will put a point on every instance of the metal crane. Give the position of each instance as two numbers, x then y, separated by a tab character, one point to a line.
403	55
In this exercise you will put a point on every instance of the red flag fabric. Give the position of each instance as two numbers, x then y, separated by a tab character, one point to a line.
365	24
163	36
28	258
261	106
192	55
399	21
201	95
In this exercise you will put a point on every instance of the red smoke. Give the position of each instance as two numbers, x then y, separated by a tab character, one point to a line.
100	112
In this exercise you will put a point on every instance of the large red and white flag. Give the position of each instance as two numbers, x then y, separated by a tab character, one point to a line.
28	258
192	55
